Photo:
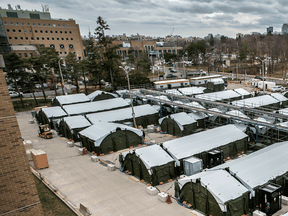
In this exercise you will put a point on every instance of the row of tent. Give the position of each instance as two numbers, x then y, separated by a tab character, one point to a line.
235	187
165	161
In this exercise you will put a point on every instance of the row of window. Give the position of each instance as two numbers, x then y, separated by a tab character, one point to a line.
36	31
34	24
25	54
37	38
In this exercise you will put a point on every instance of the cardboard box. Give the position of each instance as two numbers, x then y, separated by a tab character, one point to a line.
39	158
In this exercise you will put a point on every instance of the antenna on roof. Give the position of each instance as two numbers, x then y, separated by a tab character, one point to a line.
89	34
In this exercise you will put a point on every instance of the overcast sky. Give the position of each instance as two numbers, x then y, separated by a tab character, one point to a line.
159	17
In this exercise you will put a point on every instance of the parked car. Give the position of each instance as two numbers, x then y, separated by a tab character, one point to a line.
14	94
171	76
173	70
279	88
259	77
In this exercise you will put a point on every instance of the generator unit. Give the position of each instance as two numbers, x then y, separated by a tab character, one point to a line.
269	198
214	158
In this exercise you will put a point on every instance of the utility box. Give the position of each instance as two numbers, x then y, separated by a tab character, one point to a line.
192	166
214	158
39	158
269	198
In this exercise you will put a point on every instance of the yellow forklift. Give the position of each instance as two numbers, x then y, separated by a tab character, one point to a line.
45	131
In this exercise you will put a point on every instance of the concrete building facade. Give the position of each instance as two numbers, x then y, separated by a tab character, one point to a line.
18	193
24	27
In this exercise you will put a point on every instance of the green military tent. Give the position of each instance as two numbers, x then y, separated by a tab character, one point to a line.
178	124
152	164
283	100
144	115
70	126
200	117
101	95
69	99
50	114
105	137
215	85
221	96
245	94
214	193
260	102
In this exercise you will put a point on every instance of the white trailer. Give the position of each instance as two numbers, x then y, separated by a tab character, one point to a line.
267	85
169	84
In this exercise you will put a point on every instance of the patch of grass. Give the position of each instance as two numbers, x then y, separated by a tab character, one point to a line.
29	104
51	204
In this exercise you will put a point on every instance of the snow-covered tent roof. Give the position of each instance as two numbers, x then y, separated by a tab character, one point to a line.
172	91
152	156
97	106
216	81
76	122
121	114
283	124
125	91
71	99
181	119
220	184
279	97
98	92
255	102
242	92
218	96
282	111
192	90
197	115
55	112
261	166
100	131
237	113
194	104
203	141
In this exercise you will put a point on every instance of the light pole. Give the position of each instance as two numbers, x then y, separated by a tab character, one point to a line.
127	69
262	62
62	82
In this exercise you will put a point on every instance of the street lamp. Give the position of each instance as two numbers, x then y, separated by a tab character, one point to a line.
62	82
262	62
127	70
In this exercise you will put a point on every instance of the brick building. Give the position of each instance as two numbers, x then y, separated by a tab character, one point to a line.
25	27
18	194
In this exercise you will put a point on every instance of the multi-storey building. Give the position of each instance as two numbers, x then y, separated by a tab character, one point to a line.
26	28
285	28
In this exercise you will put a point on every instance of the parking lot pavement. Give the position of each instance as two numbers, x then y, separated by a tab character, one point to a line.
82	181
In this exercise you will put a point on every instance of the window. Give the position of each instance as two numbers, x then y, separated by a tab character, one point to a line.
52	38
65	32
46	31
31	54
70	32
33	24
5	23
37	38
32	38
16	38
56	32
10	38
61	46
42	38
57	38
48	38
19	30
17	23
49	24
24	31
67	39
52	45
12	14
14	30
54	25
65	52
42	45
28	24
44	24
62	38
60	52
59	25
60	32
34	16
39	24
30	31
63	25
19	54
8	30
36	31
68	25
71	46
11	23
21	38
71	38
51	31
74	52
41	31
25	54
26	38
23	23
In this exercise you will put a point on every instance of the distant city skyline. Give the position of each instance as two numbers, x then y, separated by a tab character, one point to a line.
158	18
